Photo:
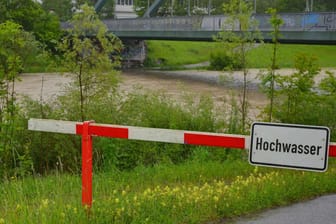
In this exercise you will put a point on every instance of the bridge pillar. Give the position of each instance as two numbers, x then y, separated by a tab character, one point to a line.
134	53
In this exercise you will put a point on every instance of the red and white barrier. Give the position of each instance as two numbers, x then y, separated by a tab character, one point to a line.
90	129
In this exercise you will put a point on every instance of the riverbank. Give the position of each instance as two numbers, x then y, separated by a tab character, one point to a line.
177	54
232	78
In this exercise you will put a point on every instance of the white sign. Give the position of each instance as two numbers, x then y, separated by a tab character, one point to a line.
290	146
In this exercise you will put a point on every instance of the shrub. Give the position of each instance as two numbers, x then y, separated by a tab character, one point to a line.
51	151
299	100
223	60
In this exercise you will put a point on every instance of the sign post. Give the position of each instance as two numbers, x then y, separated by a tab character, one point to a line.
289	146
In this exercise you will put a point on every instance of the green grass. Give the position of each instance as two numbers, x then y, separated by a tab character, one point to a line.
177	53
260	57
193	192
173	54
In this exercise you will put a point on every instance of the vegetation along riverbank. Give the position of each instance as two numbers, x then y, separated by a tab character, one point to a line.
138	181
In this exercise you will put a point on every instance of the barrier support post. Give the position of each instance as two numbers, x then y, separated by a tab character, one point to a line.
86	166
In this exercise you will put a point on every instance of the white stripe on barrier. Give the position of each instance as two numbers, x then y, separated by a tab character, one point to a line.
156	134
56	126
247	142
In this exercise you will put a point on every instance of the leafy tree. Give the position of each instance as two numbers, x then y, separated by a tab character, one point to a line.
301	100
14	45
32	18
239	34
296	91
62	8
268	80
91	54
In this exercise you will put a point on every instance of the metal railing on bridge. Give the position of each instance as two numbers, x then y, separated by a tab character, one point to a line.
297	27
292	22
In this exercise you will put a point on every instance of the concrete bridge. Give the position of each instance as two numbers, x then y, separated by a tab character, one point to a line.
311	28
302	28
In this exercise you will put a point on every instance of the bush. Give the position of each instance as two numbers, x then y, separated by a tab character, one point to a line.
223	60
51	151
299	100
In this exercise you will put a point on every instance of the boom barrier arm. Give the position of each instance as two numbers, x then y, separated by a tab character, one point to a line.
90	129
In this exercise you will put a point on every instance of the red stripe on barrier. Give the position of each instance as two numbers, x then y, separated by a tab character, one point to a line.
332	150
213	140
104	131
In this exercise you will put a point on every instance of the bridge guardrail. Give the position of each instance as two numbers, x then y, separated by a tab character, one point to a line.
292	22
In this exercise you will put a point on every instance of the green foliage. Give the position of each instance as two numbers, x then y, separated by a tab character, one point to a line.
30	15
195	192
268	79
14	154
239	34
297	91
224	60
259	57
148	109
62	8
158	111
87	55
173	54
299	100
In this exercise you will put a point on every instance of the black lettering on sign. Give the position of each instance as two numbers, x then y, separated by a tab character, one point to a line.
277	146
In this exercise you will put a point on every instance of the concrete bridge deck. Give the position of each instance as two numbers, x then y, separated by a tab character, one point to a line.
316	28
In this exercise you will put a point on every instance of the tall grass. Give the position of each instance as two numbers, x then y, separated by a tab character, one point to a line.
193	192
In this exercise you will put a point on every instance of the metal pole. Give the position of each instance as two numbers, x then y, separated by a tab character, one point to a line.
86	166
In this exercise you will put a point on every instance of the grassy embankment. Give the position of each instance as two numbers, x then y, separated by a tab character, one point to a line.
174	54
194	192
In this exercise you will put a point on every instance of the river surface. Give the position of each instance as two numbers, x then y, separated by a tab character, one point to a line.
44	86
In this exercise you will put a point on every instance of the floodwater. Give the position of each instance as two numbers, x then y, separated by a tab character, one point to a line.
179	85
44	86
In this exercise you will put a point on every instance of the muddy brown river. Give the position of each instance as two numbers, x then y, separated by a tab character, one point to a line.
48	85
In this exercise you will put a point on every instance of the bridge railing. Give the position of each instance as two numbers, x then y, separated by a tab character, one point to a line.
155	24
325	21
